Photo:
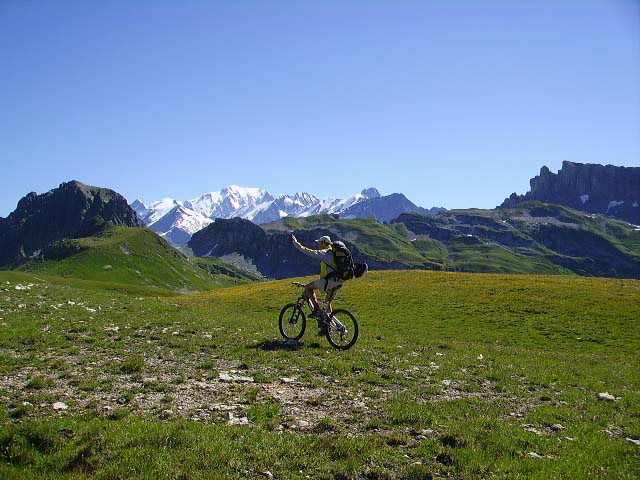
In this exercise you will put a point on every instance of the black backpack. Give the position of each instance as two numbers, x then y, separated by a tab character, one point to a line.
343	260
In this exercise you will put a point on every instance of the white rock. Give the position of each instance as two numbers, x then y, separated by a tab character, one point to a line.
226	377
635	441
233	420
606	396
60	406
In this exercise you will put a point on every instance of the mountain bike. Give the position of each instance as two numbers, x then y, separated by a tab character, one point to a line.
341	326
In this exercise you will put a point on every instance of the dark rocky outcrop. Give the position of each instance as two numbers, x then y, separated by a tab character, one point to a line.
602	189
73	210
272	253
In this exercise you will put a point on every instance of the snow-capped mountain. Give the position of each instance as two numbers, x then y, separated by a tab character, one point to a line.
177	220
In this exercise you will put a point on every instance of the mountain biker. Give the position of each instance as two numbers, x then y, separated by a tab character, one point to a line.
326	283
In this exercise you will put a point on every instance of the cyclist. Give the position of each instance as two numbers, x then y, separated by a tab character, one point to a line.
327	282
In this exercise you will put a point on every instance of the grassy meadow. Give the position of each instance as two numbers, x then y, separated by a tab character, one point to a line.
464	376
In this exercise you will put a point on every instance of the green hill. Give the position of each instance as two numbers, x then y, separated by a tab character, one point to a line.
136	256
455	375
532	237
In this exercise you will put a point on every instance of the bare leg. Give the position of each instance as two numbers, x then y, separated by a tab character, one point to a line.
311	293
331	294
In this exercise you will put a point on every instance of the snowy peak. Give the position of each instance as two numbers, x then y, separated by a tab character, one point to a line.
224	203
177	220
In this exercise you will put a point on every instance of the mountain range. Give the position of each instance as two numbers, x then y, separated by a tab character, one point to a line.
178	220
565	224
533	237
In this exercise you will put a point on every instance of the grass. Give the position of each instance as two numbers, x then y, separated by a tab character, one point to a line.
454	376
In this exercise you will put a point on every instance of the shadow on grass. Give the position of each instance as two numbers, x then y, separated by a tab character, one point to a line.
269	345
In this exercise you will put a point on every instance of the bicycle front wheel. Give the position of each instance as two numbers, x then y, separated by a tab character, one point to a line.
292	321
343	329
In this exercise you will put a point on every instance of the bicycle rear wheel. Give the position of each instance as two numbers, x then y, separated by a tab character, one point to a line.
292	321
343	330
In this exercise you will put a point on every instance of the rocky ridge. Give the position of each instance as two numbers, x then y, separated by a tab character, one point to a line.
601	189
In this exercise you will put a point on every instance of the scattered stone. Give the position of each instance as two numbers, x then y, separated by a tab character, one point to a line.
236	421
480	357
534	455
221	407
613	432
226	377
59	406
635	441
444	459
606	396
557	427
532	429
107	267
267	474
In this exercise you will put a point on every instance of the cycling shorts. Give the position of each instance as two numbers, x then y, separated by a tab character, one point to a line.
327	284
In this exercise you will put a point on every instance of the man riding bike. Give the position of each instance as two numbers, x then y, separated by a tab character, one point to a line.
327	282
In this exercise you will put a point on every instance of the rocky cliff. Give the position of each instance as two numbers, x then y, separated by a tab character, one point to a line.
604	189
271	251
72	210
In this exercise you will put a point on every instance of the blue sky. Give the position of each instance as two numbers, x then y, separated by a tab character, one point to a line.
453	103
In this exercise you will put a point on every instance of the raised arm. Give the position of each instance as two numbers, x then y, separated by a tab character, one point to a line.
320	255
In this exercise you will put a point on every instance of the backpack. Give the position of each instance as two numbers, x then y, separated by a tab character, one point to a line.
343	260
